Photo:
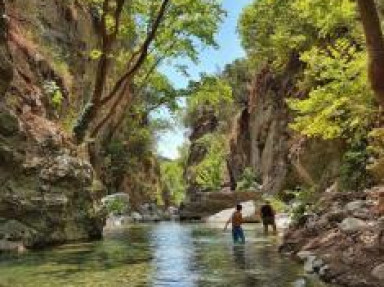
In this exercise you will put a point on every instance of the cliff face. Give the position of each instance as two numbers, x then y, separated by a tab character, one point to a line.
205	123
262	139
47	191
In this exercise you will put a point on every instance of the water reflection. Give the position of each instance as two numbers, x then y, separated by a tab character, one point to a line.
166	254
239	256
174	251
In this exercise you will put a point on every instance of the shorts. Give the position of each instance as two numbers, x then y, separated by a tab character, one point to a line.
268	220
238	234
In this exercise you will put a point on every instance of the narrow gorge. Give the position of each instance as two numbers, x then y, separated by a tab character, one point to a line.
130	130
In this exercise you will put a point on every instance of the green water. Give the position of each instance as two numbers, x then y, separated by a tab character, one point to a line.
165	254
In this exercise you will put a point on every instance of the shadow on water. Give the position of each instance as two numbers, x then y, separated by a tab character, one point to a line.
165	254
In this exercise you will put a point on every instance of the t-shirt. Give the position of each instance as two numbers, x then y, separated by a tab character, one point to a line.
237	219
267	211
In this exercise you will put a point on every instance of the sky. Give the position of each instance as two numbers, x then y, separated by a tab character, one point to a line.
211	61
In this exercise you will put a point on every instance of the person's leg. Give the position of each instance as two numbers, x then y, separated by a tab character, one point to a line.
241	235
274	228
265	224
235	234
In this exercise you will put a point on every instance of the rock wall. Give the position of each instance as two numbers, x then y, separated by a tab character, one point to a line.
47	190
263	140
342	240
205	123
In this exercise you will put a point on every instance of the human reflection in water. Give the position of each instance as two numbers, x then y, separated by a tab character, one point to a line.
239	256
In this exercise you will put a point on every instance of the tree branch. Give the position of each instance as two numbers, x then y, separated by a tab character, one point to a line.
142	53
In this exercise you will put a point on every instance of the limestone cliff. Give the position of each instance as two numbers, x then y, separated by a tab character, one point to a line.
47	194
263	140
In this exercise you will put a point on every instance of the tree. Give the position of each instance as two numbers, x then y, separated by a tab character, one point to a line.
136	36
273	31
375	46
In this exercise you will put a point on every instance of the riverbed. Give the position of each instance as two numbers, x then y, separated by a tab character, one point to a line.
166	254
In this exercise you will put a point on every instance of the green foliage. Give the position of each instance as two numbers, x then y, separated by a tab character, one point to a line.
273	30
54	92
353	173
210	93
340	102
248	180
173	180
278	205
116	206
210	171
238	75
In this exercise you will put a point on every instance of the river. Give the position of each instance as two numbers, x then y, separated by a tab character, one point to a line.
165	254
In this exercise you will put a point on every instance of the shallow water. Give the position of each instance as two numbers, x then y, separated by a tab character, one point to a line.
165	254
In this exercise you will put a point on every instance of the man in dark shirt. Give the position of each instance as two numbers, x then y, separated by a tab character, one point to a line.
267	215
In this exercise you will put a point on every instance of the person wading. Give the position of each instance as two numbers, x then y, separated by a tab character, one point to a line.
237	220
267	214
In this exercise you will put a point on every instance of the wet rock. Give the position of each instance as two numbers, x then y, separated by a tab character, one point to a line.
136	216
378	272
10	246
114	221
352	224
302	282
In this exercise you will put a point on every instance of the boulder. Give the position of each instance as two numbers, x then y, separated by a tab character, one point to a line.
204	204
378	272
248	211
351	224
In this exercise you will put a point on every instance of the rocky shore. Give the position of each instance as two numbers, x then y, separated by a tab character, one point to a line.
342	239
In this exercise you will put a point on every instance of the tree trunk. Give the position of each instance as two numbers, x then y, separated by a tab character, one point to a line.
375	46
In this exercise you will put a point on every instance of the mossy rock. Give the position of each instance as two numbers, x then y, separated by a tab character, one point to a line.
9	124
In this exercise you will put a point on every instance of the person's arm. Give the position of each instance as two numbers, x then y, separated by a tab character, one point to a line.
227	223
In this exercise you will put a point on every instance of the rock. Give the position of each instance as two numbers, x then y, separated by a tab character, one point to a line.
380	204
313	264
308	265
324	271
378	272
248	211
302	282
283	220
136	216
336	216
46	192
206	204
363	213
114	222
10	246
355	205
304	255
352	224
